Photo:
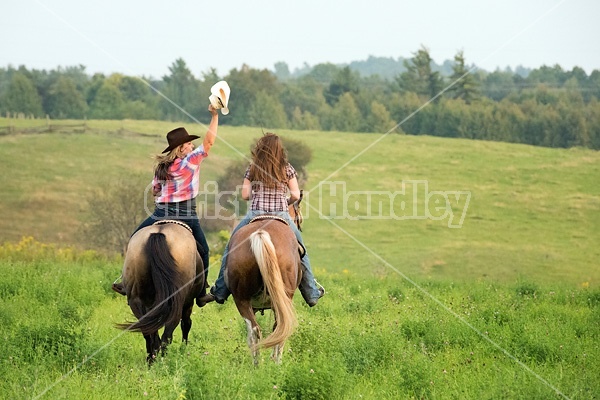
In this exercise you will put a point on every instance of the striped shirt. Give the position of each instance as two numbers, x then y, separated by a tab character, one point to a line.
185	178
270	199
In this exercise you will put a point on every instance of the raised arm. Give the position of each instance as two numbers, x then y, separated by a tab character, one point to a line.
211	134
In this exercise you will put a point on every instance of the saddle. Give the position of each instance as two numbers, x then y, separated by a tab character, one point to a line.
301	249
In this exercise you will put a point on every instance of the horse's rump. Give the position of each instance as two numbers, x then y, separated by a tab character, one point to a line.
160	275
241	262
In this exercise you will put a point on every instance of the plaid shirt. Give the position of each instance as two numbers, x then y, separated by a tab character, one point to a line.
270	199
185	178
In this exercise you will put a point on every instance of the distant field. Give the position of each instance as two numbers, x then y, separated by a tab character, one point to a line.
533	213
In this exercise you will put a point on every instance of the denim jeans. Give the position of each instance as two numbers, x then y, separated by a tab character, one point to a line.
190	218
308	286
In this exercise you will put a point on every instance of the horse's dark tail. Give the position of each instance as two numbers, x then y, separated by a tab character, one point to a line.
168	301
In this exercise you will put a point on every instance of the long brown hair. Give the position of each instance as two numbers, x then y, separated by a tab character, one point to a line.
269	159
163	162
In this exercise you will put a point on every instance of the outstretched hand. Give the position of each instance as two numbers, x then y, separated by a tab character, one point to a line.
212	110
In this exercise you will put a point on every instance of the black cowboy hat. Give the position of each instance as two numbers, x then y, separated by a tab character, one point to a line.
177	137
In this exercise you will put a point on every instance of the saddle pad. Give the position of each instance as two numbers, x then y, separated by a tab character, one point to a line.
301	249
268	216
173	221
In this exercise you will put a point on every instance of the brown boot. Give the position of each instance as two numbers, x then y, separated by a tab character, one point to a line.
119	288
204	300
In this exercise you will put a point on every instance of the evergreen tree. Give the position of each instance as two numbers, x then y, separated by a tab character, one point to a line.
182	92
464	84
344	81
419	77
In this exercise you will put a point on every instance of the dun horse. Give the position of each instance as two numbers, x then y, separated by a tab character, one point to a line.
263	272
162	275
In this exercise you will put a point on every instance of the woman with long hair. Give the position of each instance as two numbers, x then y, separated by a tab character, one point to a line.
267	182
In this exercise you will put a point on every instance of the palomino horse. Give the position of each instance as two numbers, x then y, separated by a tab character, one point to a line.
263	272
162	275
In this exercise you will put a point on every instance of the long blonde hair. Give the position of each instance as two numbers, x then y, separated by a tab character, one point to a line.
164	161
269	161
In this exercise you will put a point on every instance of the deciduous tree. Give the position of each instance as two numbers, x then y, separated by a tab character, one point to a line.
22	97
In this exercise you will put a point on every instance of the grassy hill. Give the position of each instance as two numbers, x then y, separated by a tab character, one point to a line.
532	213
504	303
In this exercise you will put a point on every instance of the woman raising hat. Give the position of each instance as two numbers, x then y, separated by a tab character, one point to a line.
176	183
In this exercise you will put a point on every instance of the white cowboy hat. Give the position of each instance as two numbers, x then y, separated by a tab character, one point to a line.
220	96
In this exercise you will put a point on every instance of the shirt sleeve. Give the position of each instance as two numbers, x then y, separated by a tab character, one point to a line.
290	172
196	156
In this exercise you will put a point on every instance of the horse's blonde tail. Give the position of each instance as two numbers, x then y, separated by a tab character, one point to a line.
285	316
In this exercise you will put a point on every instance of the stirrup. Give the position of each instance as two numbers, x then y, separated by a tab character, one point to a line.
321	288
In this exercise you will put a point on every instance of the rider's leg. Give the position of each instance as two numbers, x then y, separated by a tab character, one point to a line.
309	288
201	243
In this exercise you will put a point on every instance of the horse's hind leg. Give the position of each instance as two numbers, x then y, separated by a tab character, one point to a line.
277	353
253	338
152	340
277	350
167	337
186	322
152	346
246	311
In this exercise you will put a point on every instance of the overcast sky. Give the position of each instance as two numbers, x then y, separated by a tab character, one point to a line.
144	37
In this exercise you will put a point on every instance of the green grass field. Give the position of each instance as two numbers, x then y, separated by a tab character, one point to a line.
503	304
533	212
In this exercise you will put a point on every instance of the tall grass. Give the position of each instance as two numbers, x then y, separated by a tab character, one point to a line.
369	337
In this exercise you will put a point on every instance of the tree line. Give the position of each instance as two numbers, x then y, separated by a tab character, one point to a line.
547	107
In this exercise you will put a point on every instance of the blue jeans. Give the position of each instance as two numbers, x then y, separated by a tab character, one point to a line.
190	218
308	286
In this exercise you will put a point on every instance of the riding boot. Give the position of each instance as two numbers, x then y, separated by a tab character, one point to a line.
119	288
310	290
